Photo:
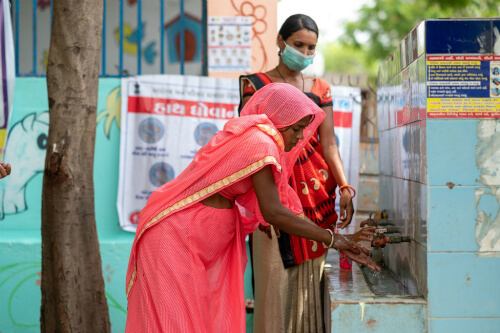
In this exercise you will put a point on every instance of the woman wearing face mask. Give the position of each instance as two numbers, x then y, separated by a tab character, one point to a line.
288	269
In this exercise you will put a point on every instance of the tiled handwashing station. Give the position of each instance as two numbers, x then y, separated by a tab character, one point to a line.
439	141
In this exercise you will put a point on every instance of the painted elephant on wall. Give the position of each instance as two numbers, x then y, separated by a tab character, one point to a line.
25	149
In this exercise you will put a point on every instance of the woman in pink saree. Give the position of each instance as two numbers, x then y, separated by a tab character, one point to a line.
186	266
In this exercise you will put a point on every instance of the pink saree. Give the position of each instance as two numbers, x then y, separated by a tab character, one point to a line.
186	266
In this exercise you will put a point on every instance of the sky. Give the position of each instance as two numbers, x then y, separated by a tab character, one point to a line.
328	14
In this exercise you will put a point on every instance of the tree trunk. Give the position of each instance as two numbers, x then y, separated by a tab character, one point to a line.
73	298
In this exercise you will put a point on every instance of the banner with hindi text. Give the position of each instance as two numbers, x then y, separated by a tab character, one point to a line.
165	120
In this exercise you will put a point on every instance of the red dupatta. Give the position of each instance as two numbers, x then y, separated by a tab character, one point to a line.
243	147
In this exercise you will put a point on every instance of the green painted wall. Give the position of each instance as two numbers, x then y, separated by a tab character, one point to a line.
20	266
20	207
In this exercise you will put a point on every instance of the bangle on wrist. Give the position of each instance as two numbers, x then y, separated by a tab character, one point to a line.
333	238
341	188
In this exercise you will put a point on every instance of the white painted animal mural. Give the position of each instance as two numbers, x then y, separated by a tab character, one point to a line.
25	149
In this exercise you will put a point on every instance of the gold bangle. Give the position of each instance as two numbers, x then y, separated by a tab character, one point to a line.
333	238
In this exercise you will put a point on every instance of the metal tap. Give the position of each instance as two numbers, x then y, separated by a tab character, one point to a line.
392	239
386	231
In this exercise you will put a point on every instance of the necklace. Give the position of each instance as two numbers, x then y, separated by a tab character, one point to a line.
302	76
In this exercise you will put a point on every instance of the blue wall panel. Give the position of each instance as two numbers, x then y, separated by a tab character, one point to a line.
451	150
465	325
453	218
463	285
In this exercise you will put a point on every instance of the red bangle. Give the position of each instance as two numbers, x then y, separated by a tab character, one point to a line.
348	187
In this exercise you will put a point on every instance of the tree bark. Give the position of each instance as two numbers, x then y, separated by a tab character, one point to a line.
73	298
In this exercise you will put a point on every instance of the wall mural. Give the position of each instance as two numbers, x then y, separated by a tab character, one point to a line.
45	59
112	111
26	146
43	4
22	277
192	38
20	267
131	37
25	150
149	36
20	270
25	278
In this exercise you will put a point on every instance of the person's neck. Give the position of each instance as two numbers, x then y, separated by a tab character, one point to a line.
287	73
294	78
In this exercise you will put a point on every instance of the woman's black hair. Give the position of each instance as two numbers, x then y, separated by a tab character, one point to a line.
295	23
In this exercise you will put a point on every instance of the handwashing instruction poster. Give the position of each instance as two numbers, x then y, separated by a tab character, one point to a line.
463	86
165	120
229	44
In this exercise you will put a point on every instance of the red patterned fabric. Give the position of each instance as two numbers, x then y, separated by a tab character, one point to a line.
186	266
312	180
315	185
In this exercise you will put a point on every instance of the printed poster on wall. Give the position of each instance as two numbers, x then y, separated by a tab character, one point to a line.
165	120
229	44
347	119
463	86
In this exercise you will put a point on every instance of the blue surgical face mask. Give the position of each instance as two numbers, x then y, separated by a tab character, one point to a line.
294	59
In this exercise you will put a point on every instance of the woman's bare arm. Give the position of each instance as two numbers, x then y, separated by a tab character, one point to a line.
279	216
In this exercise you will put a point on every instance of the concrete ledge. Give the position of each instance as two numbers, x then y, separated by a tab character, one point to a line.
352	306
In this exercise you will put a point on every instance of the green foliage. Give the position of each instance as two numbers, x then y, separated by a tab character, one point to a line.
345	59
382	24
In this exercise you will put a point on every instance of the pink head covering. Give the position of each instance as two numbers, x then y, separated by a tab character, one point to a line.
284	105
